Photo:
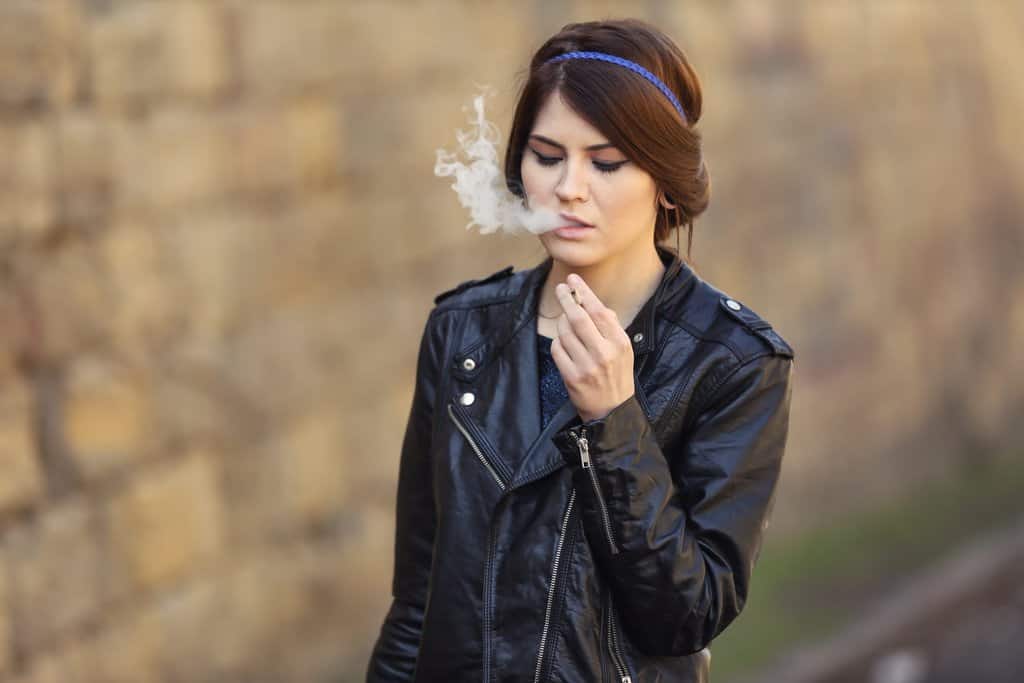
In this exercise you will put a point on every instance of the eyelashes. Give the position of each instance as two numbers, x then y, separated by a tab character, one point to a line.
603	167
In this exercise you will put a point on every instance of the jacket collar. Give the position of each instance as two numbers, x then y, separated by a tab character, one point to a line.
675	279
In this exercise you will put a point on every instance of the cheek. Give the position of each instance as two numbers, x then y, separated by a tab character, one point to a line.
527	174
637	192
536	178
627	198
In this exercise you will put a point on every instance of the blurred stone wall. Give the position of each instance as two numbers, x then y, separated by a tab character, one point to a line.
220	236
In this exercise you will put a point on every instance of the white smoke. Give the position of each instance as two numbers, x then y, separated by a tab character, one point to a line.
480	183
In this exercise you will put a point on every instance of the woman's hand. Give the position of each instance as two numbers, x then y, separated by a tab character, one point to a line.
592	351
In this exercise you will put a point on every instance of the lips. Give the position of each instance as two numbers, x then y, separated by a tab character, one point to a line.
574	221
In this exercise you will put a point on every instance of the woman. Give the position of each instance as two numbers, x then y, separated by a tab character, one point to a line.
594	444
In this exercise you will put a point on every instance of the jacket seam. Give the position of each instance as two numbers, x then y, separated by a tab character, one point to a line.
713	393
737	356
481	303
696	334
680	389
446	354
701	608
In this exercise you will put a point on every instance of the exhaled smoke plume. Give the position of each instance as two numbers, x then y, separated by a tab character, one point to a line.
480	184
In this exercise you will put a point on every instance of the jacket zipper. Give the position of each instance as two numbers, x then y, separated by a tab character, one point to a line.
613	645
488	598
551	587
488	601
476	449
584	446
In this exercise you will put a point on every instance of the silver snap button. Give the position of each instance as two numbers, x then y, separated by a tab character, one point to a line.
467	398
638	337
732	304
469	364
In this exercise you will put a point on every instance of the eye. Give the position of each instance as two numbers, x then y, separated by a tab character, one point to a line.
608	168
543	160
603	167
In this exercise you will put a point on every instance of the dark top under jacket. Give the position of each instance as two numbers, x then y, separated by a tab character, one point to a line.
552	388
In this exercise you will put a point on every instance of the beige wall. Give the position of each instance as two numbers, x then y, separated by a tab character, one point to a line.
220	236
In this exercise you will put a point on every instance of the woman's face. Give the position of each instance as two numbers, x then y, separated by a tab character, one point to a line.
568	166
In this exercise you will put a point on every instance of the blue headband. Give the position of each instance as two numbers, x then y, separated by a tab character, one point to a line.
633	66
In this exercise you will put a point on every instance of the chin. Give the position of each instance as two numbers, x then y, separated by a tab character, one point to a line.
572	254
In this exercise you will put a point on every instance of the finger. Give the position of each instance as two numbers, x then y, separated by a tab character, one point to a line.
578	317
570	341
563	362
605	319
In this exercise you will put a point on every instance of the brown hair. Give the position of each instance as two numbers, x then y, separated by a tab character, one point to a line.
634	116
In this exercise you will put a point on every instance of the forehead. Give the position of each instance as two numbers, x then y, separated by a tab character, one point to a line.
557	121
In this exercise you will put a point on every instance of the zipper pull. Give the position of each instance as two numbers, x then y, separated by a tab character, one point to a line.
627	679
584	449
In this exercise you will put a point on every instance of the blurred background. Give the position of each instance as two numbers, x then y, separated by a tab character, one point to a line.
220	237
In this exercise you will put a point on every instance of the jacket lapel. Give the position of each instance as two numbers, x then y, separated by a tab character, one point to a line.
507	384
538	456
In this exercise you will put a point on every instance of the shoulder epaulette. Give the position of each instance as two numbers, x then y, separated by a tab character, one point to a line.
756	324
503	273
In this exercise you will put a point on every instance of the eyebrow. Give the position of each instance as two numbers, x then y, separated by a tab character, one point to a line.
591	148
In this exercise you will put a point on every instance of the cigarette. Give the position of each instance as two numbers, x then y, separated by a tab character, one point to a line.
575	297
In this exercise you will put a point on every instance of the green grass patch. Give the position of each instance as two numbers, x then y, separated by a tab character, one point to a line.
804	588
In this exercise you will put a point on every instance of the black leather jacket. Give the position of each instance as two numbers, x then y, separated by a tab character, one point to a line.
619	547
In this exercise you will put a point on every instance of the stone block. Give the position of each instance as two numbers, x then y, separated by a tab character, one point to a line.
284	47
366	566
84	170
313	133
127	55
175	159
197	48
25	66
129	650
261	162
6	627
68	52
22	482
167	521
241	617
108	420
314	468
256	619
296	480
27	179
146	52
209	259
146	310
55	571
190	624
68	296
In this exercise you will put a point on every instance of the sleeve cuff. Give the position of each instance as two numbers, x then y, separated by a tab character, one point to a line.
614	432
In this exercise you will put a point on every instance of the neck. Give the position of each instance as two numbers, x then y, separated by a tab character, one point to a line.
623	284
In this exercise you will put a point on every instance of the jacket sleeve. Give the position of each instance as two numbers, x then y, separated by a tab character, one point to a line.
395	652
676	534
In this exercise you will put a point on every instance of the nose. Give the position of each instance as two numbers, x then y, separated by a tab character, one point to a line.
573	183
